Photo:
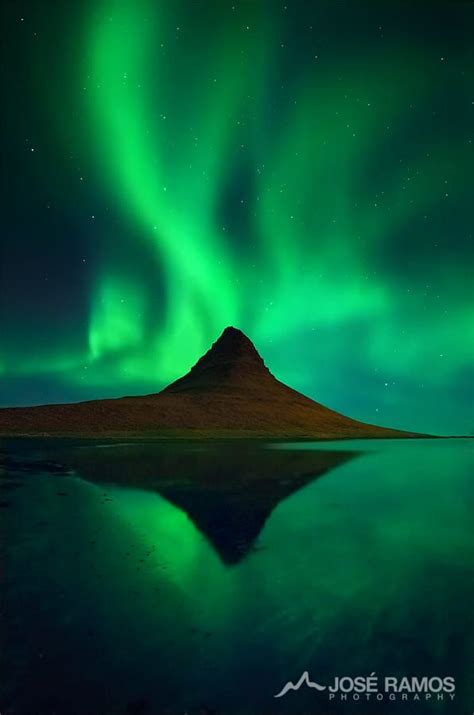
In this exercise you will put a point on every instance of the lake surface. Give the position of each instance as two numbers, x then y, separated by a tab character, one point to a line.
193	578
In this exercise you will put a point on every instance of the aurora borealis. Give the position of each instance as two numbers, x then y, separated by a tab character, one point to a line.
302	170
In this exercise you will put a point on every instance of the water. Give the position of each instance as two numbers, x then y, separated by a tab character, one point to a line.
177	578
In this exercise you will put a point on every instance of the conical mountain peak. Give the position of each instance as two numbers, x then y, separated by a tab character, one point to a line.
230	330
234	344
231	359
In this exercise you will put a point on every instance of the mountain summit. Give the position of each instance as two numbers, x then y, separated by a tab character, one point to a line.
229	392
231	361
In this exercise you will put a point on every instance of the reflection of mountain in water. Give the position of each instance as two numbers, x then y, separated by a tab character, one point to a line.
227	490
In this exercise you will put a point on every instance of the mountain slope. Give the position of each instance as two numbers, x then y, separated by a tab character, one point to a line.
228	393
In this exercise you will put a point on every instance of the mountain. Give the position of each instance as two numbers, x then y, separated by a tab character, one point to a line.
228	393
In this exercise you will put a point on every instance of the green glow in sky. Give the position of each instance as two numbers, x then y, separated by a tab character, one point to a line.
304	179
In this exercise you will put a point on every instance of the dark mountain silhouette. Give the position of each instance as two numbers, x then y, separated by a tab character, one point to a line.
228	490
231	363
228	393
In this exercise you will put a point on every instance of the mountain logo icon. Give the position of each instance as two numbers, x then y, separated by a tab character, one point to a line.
304	680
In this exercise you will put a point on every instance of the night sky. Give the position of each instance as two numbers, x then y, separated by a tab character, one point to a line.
301	170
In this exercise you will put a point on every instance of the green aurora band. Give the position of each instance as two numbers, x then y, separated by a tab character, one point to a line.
283	202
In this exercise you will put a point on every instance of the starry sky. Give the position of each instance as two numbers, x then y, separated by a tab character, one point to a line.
301	170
